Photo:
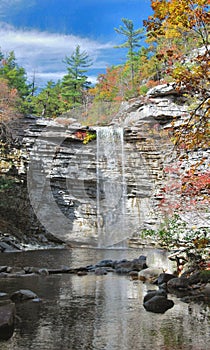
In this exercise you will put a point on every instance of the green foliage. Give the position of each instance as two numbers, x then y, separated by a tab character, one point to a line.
6	182
176	231
143	90
75	82
16	76
48	103
133	37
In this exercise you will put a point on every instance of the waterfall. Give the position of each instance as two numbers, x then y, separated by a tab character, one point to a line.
111	186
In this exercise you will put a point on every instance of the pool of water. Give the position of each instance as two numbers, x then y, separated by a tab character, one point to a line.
98	312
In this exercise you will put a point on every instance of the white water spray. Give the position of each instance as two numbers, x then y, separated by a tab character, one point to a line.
111	186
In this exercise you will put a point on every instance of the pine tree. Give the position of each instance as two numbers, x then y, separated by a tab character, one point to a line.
132	42
75	82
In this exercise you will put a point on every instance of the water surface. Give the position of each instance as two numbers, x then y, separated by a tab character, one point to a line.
98	312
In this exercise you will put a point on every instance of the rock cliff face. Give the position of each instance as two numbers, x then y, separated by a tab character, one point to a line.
105	190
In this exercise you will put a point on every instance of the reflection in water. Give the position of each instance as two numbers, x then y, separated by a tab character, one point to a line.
98	312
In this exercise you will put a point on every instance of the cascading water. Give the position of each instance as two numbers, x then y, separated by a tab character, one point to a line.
111	186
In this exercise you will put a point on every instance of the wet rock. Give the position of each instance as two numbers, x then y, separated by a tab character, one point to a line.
105	263
164	278
206	291
82	273
9	269
7	320
15	271
4	296
126	266
99	271
43	272
150	294
133	275
62	269
22	295
178	283
3	274
140	263
205	276
158	304
7	247
193	298
123	270
3	269
29	269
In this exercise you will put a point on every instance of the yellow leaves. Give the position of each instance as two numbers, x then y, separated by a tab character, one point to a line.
200	243
173	17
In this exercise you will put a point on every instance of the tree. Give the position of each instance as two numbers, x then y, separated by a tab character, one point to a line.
185	23
48	103
187	19
107	87
8	111
15	75
75	81
132	42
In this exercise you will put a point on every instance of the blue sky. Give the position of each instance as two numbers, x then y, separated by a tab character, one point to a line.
43	32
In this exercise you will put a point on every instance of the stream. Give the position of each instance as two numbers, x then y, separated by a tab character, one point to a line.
98	312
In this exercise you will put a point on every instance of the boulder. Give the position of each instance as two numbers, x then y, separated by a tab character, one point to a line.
3	296
150	274
206	292
99	271
164	278
158	304
178	283
151	293
22	295
140	263
163	90
7	320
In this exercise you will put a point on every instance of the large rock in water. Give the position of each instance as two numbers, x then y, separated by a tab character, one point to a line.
158	304
22	295
150	274
7	320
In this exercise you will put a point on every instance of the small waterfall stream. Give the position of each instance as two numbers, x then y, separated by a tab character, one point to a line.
111	186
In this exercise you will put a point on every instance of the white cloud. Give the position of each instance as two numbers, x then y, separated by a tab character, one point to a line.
43	52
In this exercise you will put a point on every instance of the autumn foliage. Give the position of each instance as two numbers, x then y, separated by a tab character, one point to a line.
8	99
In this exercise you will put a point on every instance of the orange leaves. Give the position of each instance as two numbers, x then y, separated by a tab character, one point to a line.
194	184
8	100
107	86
